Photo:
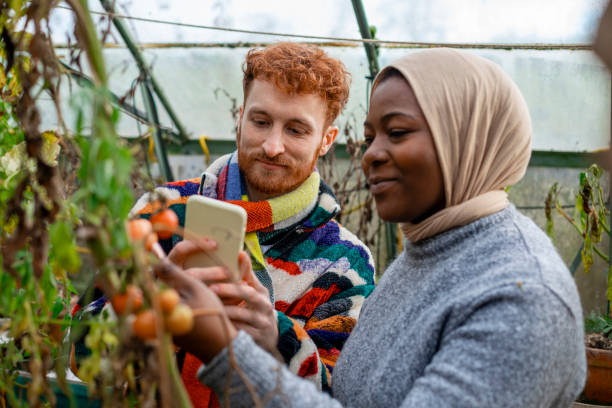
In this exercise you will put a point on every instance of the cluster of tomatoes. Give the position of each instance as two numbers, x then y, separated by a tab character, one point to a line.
177	317
161	225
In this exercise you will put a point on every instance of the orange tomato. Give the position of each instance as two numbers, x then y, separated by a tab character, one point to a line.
168	299
180	321
129	301
144	325
164	223
142	230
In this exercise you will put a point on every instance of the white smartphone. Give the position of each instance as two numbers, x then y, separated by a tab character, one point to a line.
225	223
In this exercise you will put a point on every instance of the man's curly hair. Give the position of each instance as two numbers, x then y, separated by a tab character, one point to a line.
300	69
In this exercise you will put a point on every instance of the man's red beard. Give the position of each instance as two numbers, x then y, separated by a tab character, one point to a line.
274	182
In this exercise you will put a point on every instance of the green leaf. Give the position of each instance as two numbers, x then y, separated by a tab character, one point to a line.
64	247
609	291
58	306
587	253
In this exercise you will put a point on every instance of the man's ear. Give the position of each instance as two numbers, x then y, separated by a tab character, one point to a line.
328	139
239	123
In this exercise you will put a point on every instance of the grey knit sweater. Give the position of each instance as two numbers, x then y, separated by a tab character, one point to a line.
485	315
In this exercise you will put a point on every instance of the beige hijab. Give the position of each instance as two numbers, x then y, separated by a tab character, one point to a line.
481	129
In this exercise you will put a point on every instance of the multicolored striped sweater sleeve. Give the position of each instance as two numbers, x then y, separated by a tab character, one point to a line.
320	285
321	274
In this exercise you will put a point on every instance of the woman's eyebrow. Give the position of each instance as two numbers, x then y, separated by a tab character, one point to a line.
389	115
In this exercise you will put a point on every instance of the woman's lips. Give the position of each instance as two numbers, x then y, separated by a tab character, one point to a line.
380	186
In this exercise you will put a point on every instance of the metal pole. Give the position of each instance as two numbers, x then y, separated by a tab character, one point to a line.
160	150
364	28
609	168
130	110
107	4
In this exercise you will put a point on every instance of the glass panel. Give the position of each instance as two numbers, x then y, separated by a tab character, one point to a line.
484	21
416	20
568	92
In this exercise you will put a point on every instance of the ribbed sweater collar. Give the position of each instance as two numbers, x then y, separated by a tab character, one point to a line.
447	242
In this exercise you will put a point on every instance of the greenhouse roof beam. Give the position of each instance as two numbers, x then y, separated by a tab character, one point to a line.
160	149
364	28
128	109
143	67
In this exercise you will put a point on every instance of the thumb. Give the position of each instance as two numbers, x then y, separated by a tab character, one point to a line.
246	271
175	277
185	248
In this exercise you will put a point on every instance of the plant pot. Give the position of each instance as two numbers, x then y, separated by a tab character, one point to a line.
598	387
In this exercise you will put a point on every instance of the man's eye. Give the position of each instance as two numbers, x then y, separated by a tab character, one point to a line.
260	122
296	131
368	140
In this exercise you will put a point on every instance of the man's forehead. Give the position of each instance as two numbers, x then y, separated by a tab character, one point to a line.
267	98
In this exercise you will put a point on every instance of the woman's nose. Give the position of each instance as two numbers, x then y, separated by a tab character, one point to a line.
375	154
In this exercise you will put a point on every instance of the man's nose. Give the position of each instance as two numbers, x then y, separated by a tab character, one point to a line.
273	145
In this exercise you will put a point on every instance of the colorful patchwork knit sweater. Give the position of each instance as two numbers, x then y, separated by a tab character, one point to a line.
318	273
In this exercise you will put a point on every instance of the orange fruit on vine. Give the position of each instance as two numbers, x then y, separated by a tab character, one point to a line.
143	325
164	223
129	301
168	299
180	320
142	230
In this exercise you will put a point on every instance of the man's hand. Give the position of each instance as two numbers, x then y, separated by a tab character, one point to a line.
212	330
248	306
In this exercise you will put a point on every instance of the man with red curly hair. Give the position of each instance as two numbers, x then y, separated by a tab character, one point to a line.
307	276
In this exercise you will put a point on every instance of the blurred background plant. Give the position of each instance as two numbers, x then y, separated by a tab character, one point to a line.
591	221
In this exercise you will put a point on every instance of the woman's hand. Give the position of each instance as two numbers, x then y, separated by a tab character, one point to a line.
248	306
247	303
212	330
207	275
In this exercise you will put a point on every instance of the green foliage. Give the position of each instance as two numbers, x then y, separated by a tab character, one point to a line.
549	204
64	254
590	219
598	324
48	233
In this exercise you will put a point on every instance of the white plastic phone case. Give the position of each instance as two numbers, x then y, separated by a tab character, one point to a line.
225	223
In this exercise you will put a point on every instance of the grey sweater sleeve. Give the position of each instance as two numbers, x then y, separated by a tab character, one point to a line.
273	384
509	349
505	349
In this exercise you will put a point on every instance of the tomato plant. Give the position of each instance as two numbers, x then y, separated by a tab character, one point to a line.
64	202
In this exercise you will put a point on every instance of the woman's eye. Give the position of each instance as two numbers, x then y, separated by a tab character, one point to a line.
398	132
368	140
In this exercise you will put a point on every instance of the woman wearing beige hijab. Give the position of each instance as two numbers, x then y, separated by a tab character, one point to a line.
478	309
